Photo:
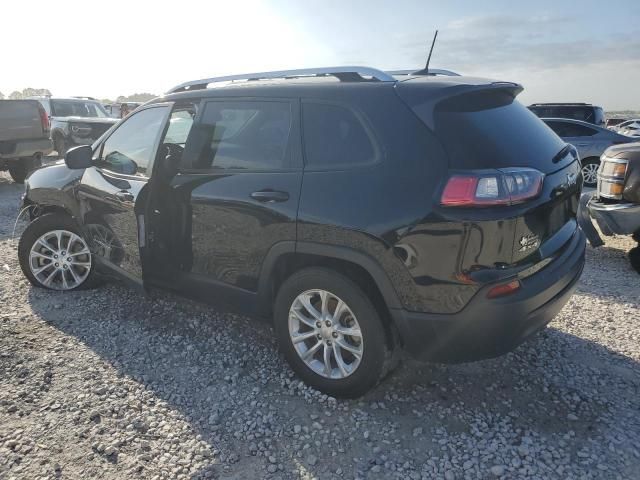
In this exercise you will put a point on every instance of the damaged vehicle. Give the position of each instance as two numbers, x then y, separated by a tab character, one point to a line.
615	206
359	212
75	121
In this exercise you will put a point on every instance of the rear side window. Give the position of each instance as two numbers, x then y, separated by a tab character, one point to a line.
492	130
336	137
566	129
246	135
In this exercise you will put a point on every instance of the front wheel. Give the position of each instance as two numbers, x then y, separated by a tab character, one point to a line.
54	255
18	172
331	333
590	172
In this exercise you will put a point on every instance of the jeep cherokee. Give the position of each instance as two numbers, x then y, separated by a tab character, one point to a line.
362	212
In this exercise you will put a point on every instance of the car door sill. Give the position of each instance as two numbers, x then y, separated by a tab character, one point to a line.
111	269
207	290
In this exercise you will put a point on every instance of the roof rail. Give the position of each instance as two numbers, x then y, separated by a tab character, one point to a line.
84	98
345	74
432	71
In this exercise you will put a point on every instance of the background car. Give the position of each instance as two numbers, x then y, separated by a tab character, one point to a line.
590	140
632	129
75	121
623	124
575	111
116	110
24	137
612	123
615	206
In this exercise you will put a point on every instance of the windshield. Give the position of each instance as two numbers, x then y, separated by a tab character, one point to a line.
77	108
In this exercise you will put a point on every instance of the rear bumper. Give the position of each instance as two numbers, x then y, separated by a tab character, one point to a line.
27	148
488	328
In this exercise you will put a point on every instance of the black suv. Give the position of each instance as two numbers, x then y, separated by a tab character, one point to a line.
584	112
360	211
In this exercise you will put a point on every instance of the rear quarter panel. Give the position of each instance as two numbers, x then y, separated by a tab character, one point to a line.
370	209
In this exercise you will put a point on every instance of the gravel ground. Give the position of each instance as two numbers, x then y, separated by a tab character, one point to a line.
109	384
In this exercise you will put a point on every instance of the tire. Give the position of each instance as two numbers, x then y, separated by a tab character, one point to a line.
80	267
634	258
589	171
362	374
60	145
19	171
23	166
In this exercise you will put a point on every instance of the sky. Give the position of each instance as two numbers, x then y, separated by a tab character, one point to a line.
579	51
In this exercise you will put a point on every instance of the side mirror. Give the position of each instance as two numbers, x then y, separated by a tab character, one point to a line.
78	158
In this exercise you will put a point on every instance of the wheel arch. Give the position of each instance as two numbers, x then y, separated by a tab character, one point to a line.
39	209
286	258
590	158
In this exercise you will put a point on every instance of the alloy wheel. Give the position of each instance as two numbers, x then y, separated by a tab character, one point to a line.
590	173
60	260
325	333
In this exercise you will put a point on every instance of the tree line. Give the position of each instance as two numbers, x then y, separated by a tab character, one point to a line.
30	92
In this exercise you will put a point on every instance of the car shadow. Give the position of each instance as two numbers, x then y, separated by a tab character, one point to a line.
165	344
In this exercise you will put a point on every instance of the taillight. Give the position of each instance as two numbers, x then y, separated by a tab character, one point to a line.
504	289
44	119
505	186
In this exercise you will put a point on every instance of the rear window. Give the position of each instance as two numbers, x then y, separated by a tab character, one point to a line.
492	130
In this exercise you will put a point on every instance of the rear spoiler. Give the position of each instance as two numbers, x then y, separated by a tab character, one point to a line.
423	98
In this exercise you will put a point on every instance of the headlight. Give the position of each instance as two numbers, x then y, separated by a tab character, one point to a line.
81	130
611	177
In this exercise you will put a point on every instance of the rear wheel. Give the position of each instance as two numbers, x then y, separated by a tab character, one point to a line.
60	145
590	172
54	255
330	332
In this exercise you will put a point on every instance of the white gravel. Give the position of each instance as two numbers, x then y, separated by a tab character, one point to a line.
108	384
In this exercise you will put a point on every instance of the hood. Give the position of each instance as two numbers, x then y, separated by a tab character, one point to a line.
92	120
629	151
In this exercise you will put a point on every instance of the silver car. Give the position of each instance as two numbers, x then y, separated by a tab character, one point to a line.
590	140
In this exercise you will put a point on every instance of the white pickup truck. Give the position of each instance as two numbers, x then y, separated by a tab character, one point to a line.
24	137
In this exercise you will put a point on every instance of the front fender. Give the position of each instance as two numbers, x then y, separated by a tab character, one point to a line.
54	186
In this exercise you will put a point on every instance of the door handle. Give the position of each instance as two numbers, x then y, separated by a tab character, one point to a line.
270	196
124	196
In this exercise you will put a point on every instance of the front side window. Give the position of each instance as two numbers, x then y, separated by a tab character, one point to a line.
238	134
131	147
335	137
